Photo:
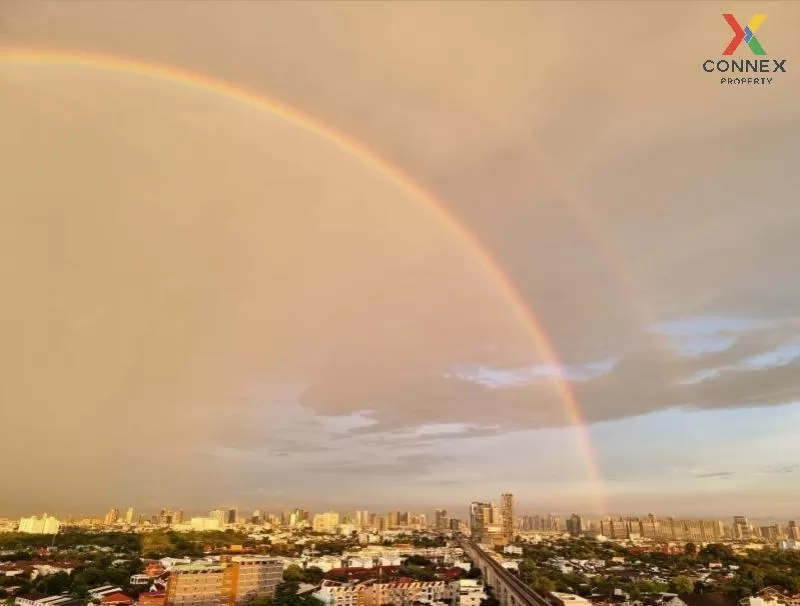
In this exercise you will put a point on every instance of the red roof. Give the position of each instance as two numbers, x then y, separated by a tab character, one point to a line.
116	598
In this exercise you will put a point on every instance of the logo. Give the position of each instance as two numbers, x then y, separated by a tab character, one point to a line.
746	35
757	70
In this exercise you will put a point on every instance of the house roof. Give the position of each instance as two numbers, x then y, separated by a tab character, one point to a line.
116	598
707	599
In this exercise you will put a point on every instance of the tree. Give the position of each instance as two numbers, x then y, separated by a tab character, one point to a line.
313	575
690	549
474	573
286	594
293	574
681	584
542	584
79	590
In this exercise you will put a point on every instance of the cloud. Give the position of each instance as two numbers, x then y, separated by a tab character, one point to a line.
253	303
708	326
783	355
713	474
784	469
499	378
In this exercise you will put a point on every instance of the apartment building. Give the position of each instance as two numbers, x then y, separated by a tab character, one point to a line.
35	525
383	594
196	584
669	529
326	522
254	577
228	583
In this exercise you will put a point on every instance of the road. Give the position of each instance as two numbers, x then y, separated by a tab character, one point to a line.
509	589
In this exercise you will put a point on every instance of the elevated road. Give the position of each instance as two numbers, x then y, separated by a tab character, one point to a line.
509	589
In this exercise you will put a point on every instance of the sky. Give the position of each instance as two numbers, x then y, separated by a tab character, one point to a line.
207	303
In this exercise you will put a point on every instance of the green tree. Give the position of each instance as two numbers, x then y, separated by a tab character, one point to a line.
542	584
681	584
690	549
293	574
313	575
286	594
80	590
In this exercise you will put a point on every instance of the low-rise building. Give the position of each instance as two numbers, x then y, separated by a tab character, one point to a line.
568	599
45	600
468	592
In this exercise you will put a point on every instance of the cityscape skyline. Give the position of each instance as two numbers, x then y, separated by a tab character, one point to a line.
462	514
365	255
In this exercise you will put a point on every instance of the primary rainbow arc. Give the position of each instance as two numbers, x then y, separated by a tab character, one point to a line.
149	69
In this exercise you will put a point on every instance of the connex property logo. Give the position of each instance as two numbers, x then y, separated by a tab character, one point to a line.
745	71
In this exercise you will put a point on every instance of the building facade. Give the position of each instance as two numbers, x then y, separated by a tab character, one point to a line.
229	583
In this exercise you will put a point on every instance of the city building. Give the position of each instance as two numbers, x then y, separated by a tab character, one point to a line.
229	583
741	528
111	516
254	577
45	600
218	515
197	584
383	594
568	599
478	520
35	525
129	516
326	522
440	521
468	592
575	525
507	517
362	519
201	524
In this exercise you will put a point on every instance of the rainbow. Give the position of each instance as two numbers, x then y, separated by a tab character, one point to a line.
175	75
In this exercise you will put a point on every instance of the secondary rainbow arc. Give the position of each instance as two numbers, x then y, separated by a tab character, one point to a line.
153	70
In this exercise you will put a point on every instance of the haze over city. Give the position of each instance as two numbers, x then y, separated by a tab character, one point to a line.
583	291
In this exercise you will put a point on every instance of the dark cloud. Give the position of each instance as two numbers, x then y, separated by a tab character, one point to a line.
714	474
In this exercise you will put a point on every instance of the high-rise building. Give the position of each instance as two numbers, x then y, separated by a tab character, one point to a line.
111	516
393	519
575	525
741	528
36	525
326	522
219	515
231	516
507	516
794	530
477	520
455	524
440	519
129	516
255	516
362	519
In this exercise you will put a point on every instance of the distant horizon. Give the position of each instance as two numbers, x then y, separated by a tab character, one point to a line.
190	513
